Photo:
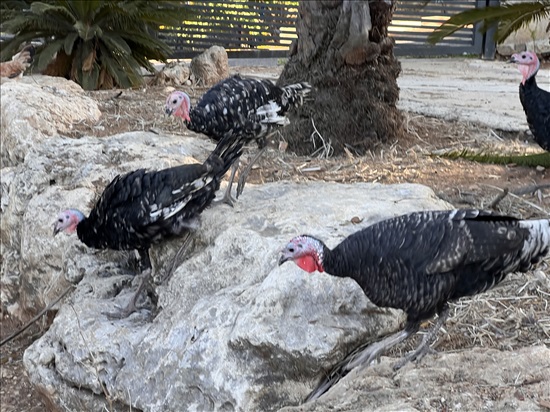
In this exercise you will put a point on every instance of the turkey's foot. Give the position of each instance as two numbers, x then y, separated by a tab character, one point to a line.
132	306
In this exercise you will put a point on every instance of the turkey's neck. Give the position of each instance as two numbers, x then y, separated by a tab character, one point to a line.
335	263
529	72
195	114
86	235
530	81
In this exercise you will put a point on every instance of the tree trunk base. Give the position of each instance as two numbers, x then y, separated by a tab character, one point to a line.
354	96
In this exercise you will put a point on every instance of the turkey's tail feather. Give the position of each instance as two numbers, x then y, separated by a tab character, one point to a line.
269	114
295	94
228	150
537	245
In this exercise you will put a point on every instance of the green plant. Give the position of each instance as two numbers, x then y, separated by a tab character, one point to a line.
508	18
530	160
97	43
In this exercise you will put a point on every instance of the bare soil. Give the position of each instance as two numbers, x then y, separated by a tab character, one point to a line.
511	316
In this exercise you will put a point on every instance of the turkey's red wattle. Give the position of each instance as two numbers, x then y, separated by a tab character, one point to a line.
309	264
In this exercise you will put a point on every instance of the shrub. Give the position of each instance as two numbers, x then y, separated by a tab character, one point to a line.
96	43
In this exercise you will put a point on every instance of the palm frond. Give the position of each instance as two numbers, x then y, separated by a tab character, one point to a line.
508	17
48	52
69	42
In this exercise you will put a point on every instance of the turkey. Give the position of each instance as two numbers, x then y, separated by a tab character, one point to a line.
18	64
141	208
418	263
254	107
535	101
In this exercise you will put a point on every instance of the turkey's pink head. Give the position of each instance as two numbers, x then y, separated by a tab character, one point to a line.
67	221
306	252
178	104
528	64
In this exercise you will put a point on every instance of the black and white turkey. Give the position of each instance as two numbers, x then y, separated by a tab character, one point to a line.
144	207
245	106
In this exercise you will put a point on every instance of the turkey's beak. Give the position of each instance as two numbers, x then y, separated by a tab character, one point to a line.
283	259
512	60
168	111
56	229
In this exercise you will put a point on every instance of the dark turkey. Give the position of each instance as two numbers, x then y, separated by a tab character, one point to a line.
244	106
141	208
535	101
418	263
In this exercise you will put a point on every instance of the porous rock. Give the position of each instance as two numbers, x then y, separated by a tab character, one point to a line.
37	107
174	73
511	381
210	67
235	332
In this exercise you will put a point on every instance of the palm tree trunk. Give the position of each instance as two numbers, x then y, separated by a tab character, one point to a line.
344	51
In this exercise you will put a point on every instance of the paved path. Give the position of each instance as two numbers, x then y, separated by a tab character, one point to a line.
478	91
473	90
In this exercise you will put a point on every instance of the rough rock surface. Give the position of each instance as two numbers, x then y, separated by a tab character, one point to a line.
210	67
174	73
236	332
48	172
35	108
512	381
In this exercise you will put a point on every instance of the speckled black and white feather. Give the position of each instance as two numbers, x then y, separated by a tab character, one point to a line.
250	106
143	207
420	261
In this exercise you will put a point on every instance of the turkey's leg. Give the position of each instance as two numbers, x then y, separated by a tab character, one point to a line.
177	257
362	357
227	199
145	281
424	346
246	171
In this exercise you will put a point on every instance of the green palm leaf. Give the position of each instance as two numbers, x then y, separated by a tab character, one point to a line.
508	17
48	52
97	43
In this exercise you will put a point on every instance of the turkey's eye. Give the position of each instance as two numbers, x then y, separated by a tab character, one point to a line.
60	220
291	249
174	101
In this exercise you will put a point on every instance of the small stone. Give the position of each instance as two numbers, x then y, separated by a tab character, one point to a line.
211	66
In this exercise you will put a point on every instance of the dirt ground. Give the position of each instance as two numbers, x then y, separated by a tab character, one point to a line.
511	316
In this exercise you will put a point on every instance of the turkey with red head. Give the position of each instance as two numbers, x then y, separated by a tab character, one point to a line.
535	101
245	106
418	263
